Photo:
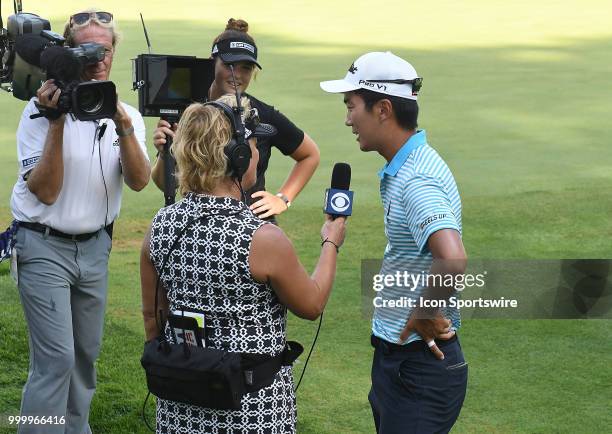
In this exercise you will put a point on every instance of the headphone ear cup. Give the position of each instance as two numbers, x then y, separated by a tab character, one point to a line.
239	156
237	151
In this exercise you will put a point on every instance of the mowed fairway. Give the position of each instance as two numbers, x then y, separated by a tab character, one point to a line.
515	98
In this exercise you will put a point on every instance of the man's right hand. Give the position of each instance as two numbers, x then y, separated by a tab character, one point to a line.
161	132
48	94
46	179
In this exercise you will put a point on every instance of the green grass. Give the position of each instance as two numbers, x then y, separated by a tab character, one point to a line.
514	99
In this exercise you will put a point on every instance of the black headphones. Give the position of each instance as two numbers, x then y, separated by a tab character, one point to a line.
237	151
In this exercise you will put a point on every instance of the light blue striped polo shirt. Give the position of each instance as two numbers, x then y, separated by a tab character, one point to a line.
420	197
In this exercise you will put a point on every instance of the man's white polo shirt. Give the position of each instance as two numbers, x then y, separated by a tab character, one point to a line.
90	197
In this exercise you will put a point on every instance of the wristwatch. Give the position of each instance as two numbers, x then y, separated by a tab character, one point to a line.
124	133
284	198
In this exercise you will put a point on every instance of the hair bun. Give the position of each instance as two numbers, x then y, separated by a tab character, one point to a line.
240	25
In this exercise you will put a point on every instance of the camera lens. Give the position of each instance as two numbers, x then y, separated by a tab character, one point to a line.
90	100
93	100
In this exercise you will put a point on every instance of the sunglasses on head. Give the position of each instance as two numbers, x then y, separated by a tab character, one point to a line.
84	17
417	83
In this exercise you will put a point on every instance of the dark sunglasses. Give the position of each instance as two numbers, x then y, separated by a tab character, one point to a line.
84	17
417	83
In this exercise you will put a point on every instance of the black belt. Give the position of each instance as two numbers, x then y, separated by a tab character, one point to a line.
43	229
413	346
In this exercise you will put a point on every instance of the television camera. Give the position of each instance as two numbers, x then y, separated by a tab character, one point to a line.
31	53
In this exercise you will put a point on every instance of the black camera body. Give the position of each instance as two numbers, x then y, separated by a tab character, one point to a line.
87	100
167	84
31	53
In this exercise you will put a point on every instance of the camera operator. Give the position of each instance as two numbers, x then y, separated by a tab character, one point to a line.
66	198
236	47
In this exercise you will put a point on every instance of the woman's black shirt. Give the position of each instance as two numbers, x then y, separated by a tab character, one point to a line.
287	140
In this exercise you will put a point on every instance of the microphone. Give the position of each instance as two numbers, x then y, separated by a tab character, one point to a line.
61	64
338	198
101	131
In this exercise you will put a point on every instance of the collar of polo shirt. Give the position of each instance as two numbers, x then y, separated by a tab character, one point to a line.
393	166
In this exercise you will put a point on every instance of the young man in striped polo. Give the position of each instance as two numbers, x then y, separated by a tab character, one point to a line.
419	374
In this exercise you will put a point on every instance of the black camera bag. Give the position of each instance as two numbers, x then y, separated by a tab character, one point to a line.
207	377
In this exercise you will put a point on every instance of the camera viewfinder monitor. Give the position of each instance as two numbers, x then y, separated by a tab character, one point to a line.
168	84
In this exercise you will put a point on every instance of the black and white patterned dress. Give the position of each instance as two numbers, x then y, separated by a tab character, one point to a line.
208	270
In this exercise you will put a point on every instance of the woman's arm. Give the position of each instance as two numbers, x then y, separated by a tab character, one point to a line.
148	280
307	159
273	260
159	140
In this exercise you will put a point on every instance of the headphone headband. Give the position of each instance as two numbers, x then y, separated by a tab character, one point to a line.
237	151
233	115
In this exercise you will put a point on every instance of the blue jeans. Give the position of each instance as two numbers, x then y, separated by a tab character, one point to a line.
413	392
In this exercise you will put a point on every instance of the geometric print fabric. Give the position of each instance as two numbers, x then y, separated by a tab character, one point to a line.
208	270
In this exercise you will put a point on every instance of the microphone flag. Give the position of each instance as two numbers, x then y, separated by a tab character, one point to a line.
338	198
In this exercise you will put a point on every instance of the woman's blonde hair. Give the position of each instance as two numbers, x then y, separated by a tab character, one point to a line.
69	31
202	134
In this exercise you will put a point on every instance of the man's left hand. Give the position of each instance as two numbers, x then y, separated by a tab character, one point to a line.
121	117
268	205
429	329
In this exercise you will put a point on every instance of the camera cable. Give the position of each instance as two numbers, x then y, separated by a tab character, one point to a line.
100	129
314	341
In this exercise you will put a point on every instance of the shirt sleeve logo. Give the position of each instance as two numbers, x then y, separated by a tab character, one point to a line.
30	161
431	219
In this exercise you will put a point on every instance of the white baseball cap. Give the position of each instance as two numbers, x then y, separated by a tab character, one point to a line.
381	72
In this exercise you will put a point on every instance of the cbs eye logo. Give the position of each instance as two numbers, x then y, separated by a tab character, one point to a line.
340	202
